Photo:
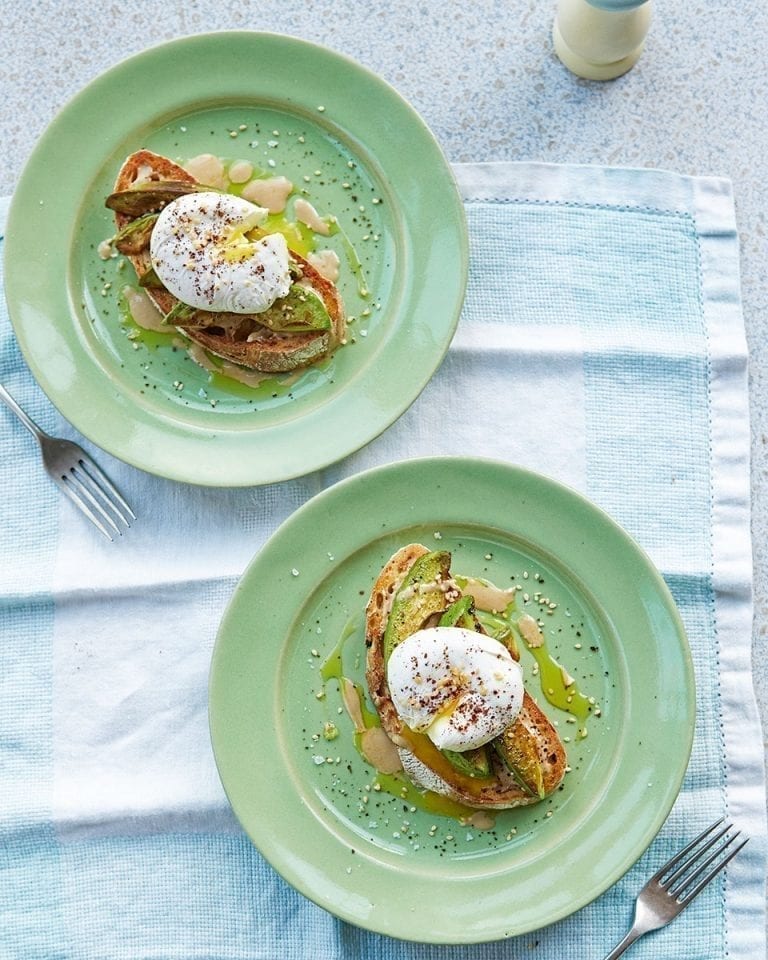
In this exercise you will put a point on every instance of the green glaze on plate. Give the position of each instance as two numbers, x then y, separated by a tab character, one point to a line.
310	805
290	108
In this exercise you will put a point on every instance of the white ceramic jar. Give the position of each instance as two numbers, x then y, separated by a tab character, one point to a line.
601	39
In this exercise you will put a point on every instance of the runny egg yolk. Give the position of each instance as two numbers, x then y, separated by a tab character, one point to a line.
202	252
459	687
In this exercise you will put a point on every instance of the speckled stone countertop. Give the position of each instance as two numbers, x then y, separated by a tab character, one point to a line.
485	79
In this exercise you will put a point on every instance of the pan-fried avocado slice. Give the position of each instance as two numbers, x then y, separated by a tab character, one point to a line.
472	763
150	280
134	237
420	596
517	749
459	614
149	195
300	311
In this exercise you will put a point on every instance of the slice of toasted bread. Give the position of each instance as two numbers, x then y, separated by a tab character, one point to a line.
503	791
245	342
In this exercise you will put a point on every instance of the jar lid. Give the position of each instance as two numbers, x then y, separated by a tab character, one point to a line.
616	6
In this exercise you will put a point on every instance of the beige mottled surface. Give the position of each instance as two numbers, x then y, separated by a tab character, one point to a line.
489	86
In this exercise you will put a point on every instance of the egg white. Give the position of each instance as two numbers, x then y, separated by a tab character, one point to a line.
200	252
459	687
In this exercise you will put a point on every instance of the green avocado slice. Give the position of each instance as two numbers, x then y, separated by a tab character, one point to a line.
498	628
152	195
150	280
299	311
181	315
459	614
472	763
517	749
418	598
134	237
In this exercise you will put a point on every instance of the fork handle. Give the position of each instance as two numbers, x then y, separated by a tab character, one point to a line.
28	422
632	935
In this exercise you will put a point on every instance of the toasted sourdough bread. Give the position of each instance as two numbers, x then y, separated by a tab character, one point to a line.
504	791
265	350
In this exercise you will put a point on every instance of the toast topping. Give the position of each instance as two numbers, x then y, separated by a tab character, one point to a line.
464	725
203	255
457	686
238	288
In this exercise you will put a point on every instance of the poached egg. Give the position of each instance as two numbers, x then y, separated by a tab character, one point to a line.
201	252
459	687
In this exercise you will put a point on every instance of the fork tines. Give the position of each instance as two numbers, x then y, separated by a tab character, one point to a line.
684	883
89	488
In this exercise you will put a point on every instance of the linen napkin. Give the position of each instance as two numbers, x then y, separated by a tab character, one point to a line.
601	343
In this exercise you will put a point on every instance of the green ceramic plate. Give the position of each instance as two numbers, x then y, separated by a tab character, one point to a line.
288	107
312	806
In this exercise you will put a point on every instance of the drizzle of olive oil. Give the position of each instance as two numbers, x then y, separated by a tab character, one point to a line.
332	667
355	264
399	786
567	698
299	237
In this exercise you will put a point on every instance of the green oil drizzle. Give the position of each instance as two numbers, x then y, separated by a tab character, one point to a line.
332	667
299	237
567	698
398	786
355	264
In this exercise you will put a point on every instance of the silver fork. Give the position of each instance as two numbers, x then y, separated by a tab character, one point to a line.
70	467
669	891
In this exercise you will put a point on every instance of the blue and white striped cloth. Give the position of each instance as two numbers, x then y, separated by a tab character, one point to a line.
601	343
